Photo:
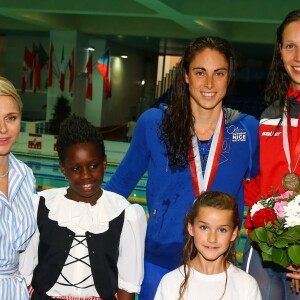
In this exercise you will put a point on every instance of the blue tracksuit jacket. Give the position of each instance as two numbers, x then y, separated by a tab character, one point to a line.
170	192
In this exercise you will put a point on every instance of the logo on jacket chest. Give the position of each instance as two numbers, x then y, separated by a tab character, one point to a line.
237	134
270	133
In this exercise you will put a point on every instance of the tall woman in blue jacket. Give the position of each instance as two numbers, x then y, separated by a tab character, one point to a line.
192	145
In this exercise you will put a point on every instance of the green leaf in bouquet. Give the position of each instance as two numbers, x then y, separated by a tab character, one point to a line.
294	254
268	225
265	248
279	231
270	238
259	235
266	257
297	229
279	222
280	243
291	234
280	256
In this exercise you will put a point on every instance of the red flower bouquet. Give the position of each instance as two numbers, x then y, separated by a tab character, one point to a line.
263	216
276	223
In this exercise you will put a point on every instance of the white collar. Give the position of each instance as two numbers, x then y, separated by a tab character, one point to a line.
81	216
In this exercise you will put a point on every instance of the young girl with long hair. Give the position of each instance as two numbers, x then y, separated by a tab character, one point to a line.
209	258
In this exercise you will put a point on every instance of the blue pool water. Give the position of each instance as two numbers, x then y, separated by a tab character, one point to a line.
48	175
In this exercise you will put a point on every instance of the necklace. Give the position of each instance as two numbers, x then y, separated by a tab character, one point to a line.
4	175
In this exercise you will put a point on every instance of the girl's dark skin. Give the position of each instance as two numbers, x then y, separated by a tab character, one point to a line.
84	167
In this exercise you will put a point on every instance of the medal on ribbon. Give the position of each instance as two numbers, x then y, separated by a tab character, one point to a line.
202	182
291	180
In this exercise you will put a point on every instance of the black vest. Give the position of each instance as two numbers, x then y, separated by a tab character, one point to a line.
54	246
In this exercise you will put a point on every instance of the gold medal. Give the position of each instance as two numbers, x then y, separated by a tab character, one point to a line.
291	182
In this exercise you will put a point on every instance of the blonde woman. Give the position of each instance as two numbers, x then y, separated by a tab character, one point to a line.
17	189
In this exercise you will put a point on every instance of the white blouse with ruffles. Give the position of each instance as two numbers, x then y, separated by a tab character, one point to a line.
76	277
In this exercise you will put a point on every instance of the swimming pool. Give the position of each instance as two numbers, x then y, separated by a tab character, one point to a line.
48	175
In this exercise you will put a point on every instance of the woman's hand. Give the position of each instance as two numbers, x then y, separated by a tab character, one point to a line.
295	272
295	276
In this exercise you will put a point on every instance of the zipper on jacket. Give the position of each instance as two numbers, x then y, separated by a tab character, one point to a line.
154	213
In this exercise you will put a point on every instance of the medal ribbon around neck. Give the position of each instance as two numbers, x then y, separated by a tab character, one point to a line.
292	155
202	183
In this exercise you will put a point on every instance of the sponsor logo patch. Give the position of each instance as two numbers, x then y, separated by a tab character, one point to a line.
239	137
237	134
270	133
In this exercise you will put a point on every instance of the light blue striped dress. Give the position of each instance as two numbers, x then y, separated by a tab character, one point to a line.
17	224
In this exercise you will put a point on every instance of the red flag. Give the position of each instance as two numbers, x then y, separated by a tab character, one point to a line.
62	71
27	63
72	70
40	59
28	58
89	68
50	67
107	88
104	69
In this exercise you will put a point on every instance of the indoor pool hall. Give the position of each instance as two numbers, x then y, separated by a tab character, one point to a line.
45	166
48	175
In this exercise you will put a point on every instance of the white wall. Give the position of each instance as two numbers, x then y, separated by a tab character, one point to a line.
93	108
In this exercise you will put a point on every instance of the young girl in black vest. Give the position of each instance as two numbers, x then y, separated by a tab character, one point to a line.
90	241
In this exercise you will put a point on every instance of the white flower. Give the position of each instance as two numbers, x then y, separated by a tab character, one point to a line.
292	213
256	207
292	221
297	198
293	207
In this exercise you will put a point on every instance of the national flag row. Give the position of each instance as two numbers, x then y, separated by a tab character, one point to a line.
37	59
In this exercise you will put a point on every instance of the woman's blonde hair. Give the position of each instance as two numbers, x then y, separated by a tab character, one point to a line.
8	89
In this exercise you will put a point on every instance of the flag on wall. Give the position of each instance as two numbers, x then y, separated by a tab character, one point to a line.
37	74
43	56
28	58
33	67
41	60
50	66
27	64
104	68
89	68
72	71
62	71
